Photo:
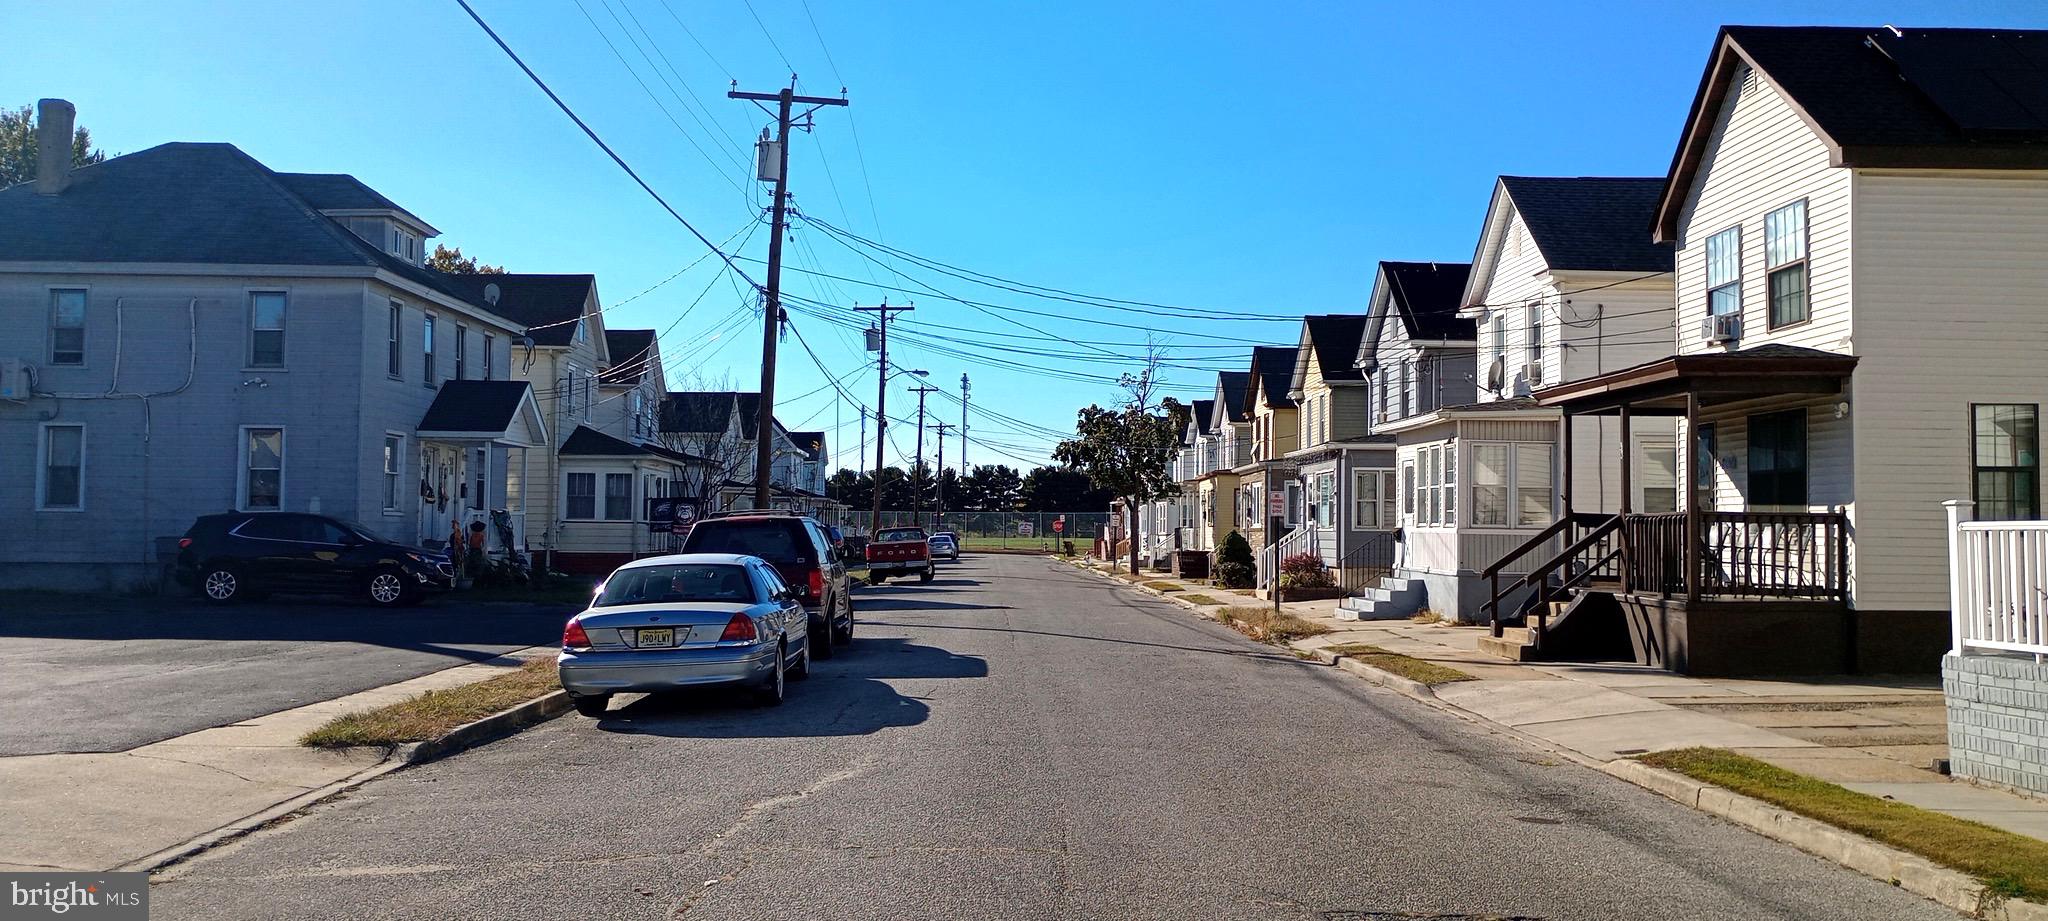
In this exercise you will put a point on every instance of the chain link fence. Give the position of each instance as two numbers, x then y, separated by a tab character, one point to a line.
1000	530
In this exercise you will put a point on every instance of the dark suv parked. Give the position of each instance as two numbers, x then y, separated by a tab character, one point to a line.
802	554
240	555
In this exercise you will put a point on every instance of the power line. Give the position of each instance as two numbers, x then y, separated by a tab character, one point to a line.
715	165
771	37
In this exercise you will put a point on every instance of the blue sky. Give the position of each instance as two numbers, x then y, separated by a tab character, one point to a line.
1245	157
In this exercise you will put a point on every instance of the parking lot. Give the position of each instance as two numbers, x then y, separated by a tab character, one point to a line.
96	674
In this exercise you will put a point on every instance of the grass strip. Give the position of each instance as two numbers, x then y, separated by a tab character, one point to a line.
1262	624
432	714
1164	586
2009	865
1408	667
1197	598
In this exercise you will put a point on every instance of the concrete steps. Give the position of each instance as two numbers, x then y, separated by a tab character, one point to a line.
1513	644
1392	599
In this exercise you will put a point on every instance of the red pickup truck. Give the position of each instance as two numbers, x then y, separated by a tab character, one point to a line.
900	552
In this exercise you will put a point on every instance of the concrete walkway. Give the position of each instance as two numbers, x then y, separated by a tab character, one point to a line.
1879	736
101	811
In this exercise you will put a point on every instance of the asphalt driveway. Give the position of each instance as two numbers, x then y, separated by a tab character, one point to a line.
86	674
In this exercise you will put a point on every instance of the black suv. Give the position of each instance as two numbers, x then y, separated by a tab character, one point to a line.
241	555
801	552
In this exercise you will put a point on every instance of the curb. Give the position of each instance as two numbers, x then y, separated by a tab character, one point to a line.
1911	872
1406	687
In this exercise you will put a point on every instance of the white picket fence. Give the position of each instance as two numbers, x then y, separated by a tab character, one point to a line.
1998	583
1299	540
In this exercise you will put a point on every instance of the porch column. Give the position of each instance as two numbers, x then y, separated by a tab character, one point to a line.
1627	480
1690	470
1564	448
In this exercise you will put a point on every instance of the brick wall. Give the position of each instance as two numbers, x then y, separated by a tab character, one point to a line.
1997	720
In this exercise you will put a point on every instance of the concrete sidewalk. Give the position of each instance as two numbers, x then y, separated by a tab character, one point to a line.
102	811
1879	736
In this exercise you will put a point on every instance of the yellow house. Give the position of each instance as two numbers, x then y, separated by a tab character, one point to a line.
1275	434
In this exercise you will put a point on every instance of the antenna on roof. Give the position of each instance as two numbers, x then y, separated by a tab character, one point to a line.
491	294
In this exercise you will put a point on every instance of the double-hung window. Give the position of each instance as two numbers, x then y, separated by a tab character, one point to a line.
618	497
262	486
2005	475
67	326
1372	499
1786	264
1706	446
396	366
490	343
1326	500
1724	273
461	351
1534	341
1658	481
582	496
1408	488
394	458
61	478
1777	458
1511	485
1291	511
427	350
1432	485
266	329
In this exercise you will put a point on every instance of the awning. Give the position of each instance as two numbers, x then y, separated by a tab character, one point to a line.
499	411
1664	387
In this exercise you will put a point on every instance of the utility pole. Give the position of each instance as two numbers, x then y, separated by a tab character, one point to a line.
775	152
880	343
917	495
939	478
964	391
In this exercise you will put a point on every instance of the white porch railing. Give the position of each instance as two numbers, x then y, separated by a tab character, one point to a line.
1299	540
1998	583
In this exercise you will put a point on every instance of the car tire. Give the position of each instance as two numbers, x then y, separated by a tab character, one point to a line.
385	587
775	688
929	573
844	637
593	706
876	578
821	634
802	669
223	584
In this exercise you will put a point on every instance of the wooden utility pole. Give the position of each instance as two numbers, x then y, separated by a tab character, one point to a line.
882	310
917	495
777	154
939	478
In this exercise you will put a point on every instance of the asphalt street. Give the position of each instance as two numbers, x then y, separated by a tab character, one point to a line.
1019	740
101	675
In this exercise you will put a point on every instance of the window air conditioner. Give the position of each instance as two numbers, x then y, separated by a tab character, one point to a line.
1721	327
1532	371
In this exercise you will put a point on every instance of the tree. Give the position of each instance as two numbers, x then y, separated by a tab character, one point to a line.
18	146
1057	489
1129	450
990	488
452	262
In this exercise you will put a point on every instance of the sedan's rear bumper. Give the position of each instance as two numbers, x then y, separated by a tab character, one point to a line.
593	672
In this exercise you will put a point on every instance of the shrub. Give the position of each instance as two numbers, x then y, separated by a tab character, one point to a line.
1232	574
1305	570
1235	550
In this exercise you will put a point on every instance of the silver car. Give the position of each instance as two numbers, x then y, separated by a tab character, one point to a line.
686	620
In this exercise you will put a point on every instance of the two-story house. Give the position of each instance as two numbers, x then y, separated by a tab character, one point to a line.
1860	217
1346	473
1225	445
1189	466
718	427
1268	473
189	331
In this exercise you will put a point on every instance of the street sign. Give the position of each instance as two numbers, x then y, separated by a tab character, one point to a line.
1059	524
1023	529
1276	504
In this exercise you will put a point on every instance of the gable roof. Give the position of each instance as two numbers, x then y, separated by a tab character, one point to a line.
811	443
1882	97
631	351
343	192
547	305
708	412
1199	415
1230	388
1591	223
589	442
1425	295
1332	339
1272	374
475	406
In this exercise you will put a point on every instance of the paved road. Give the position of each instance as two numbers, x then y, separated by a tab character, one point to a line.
1020	740
128	671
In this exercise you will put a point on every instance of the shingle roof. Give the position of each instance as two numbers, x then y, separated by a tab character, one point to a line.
1232	385
474	406
1274	366
341	192
1334	339
1591	223
1203	411
707	412
1426	296
811	443
588	442
547	305
629	353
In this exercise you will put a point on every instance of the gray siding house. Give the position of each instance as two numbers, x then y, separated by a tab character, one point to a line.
187	331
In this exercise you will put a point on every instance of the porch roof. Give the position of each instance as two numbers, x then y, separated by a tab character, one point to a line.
494	410
1663	387
589	442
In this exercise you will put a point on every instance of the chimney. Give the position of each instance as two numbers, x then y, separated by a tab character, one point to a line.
54	120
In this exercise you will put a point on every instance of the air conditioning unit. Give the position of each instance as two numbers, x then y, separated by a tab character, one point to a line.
1721	327
1532	371
15	377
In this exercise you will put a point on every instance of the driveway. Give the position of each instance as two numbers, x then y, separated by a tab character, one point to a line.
89	674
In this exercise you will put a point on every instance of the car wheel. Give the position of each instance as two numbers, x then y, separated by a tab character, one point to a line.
223	585
844	636
876	578
593	706
929	572
821	634
386	587
772	692
802	669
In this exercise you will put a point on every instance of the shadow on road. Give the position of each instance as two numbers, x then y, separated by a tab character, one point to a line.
844	697
440	626
1215	651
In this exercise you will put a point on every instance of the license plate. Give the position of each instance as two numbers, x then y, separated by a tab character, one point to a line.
656	636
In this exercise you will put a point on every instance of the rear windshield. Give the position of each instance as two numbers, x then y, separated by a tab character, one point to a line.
895	534
682	582
775	541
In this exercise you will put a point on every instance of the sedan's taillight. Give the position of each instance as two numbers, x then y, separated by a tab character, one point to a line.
573	635
740	629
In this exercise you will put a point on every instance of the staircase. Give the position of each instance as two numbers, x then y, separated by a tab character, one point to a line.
1391	599
1571	611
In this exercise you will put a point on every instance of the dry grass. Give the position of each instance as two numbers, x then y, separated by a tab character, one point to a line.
1408	667
432	714
1163	586
1264	625
2009	865
1197	598
1246	591
1427	616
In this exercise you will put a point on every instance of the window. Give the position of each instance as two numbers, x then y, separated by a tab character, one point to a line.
1500	335
394	459
1706	448
461	351
1490	486
61	483
1534	342
1532	485
266	329
427	351
1450	484
1372	499
639	402
1291	512
1785	260
1777	458
1410	382
2006	461
1657	480
396	366
618	497
67	326
1724	272
490	342
1326	500
582	492
1511	482
262	469
1408	488
479	474
1432	485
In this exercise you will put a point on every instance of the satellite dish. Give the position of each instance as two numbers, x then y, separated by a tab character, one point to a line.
491	294
1496	373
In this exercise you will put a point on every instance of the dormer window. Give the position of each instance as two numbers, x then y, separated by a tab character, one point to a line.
405	244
